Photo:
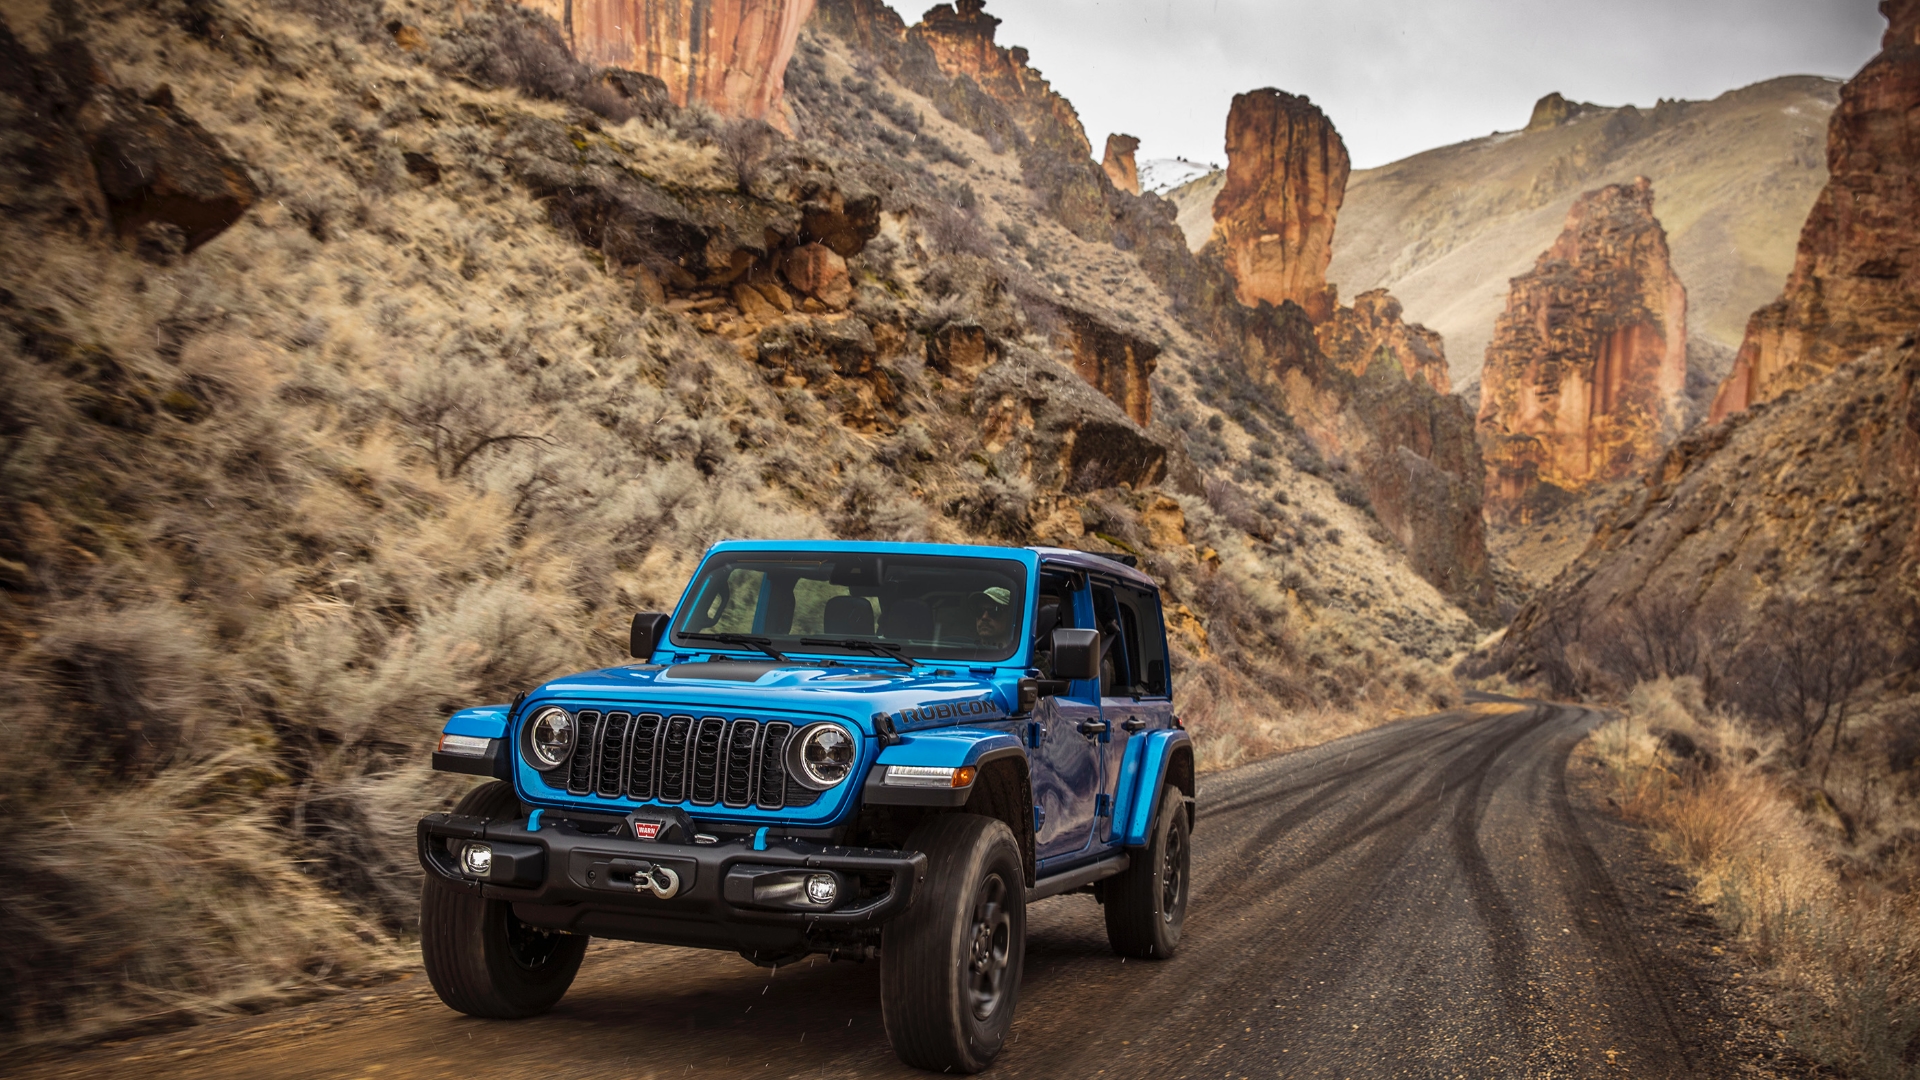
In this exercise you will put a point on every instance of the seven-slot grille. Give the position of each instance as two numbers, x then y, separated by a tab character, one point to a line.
705	760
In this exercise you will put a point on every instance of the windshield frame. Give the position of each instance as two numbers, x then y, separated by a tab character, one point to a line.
1018	564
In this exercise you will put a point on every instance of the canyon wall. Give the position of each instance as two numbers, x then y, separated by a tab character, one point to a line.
1586	377
1855	284
1800	511
730	54
1287	172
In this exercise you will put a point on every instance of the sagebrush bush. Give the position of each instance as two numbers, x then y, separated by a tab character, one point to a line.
1727	803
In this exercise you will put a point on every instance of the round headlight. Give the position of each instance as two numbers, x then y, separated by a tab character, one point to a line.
821	756
550	739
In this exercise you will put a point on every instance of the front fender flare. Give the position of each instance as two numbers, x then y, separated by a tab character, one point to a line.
949	748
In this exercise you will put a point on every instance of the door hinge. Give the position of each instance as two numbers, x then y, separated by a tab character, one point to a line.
1103	805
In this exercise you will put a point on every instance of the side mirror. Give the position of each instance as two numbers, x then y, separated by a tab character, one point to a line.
1076	654
648	628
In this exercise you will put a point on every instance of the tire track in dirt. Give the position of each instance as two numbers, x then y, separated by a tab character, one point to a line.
1418	900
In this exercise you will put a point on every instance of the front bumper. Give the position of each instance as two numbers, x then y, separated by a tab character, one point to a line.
563	876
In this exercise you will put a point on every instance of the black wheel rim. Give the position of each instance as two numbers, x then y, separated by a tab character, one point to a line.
1173	875
989	948
531	947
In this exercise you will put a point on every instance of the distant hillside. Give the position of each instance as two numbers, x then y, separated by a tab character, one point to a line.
1445	230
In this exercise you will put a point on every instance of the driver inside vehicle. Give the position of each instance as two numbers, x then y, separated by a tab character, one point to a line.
993	617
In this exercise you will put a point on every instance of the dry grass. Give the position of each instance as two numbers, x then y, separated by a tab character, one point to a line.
1839	938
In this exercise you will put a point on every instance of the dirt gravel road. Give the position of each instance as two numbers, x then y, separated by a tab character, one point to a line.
1422	900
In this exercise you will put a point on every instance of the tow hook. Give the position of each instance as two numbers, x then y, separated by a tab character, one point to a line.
661	881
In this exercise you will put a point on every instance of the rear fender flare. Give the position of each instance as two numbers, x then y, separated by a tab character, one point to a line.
1157	766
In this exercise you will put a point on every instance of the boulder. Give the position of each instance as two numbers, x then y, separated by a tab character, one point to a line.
1585	380
819	271
1042	422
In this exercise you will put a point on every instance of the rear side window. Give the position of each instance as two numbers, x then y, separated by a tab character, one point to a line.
1146	641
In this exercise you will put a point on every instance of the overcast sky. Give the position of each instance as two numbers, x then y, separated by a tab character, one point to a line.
1401	76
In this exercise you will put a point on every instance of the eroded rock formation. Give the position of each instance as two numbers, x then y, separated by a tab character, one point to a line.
1118	364
730	54
1119	163
1855	284
1552	111
1586	376
1287	173
1373	332
960	37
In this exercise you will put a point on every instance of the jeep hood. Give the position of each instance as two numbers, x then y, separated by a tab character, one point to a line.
919	699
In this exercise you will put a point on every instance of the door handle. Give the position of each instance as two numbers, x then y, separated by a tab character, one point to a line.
1093	728
1134	724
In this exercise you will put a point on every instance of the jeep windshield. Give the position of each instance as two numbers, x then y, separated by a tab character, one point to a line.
885	606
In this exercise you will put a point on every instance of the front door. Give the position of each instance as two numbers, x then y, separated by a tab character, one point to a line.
1063	739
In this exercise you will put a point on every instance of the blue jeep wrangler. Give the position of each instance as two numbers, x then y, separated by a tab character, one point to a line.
863	750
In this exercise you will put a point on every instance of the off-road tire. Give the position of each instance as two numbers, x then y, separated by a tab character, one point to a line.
1147	903
931	957
481	960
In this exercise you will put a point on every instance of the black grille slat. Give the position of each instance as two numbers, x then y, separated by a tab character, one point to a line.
773	765
706	760
645	757
613	755
586	754
737	779
674	773
737	762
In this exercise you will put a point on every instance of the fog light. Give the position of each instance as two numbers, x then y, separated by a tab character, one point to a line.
821	889
477	859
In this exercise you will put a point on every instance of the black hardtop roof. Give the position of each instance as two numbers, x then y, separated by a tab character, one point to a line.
1098	564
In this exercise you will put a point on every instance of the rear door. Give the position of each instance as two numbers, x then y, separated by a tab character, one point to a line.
1135	691
1063	739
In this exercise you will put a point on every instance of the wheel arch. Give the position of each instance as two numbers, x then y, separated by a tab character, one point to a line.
1004	791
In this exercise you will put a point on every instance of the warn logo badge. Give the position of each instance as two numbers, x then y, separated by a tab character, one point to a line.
646	830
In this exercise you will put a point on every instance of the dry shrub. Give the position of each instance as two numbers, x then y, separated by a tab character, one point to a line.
1844	952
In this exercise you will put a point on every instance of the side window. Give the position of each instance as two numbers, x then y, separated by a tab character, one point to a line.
1119	636
1147	636
1053	610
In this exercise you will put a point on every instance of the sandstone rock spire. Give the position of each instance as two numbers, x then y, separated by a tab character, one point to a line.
1120	165
730	54
1855	284
1287	173
1585	376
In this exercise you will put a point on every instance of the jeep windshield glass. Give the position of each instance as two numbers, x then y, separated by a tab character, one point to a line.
927	607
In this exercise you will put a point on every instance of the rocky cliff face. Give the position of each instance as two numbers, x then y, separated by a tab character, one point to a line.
1809	499
1120	165
1374	331
1856	277
1287	173
730	54
1586	377
961	38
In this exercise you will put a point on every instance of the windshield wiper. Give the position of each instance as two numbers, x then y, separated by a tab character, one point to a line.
765	645
887	648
